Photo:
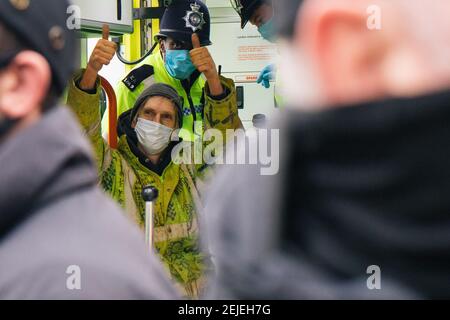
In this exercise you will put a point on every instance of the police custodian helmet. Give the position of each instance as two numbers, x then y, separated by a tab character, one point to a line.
41	26
184	17
245	9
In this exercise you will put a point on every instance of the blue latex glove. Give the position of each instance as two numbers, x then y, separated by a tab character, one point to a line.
267	74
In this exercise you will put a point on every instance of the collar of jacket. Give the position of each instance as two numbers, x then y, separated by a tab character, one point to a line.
371	182
41	163
188	83
124	129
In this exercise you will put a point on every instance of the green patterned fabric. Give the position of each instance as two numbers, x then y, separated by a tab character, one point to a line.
177	207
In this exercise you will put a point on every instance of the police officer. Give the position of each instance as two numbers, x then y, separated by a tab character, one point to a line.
182	58
52	213
260	14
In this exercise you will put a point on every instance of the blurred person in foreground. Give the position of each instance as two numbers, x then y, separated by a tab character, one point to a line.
360	208
60	237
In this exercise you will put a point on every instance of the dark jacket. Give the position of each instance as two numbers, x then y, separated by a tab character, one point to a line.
360	186
54	217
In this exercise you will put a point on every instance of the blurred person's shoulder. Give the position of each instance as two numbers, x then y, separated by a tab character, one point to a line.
80	247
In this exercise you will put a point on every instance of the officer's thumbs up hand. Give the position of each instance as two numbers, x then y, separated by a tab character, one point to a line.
103	52
196	41
202	60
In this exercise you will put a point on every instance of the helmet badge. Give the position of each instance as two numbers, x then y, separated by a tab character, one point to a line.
194	18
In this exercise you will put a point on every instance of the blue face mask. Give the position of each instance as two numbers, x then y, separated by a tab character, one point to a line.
267	30
178	64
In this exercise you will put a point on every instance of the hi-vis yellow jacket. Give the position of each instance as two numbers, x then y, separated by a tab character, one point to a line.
123	176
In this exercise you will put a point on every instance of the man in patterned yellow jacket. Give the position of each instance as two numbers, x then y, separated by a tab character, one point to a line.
144	158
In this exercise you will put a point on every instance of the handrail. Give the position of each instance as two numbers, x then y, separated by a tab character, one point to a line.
112	112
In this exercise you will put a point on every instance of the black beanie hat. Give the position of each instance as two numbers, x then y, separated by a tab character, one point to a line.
42	27
160	90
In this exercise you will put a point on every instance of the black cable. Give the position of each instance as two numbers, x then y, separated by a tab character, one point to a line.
130	63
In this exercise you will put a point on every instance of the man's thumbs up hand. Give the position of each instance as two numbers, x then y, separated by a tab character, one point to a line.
103	52
102	55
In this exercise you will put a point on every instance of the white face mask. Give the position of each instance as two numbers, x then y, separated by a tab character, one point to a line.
152	136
